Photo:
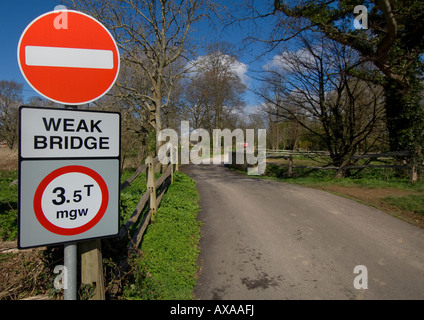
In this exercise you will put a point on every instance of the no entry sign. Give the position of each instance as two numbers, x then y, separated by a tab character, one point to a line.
69	164
68	57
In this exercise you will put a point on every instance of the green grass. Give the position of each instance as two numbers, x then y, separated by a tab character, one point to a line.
131	194
412	202
167	268
8	205
368	178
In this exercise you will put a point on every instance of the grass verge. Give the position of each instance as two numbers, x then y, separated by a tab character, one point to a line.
167	267
8	205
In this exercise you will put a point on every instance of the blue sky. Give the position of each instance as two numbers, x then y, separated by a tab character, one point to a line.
16	15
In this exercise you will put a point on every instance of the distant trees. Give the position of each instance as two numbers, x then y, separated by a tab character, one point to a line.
282	132
311	87
213	93
153	39
161	79
10	100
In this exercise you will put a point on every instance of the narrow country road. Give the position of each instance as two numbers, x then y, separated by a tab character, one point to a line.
265	239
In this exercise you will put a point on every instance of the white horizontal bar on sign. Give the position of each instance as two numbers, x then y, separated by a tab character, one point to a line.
68	57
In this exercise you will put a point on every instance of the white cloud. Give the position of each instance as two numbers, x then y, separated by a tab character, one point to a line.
240	70
253	109
274	64
285	61
192	66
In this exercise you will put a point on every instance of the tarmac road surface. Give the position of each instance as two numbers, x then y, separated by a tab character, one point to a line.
265	239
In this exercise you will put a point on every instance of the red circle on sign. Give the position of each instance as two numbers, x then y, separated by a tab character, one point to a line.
49	178
68	57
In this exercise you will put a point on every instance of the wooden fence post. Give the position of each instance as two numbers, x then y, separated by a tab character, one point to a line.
151	185
176	158
92	267
290	173
413	174
172	163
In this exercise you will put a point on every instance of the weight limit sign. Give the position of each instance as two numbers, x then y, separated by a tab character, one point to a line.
71	200
63	201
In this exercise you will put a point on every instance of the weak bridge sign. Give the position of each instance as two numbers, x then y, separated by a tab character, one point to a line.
69	175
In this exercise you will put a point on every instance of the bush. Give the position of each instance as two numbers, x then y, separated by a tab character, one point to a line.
275	171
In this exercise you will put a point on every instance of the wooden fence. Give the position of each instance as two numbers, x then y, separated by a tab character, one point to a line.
288	155
152	197
323	156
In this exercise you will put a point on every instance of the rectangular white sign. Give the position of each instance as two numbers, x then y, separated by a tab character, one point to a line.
68	57
64	133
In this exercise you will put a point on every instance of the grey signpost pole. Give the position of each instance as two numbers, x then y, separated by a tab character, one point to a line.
70	256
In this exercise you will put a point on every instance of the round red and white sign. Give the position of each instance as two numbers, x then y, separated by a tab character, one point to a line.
71	200
68	57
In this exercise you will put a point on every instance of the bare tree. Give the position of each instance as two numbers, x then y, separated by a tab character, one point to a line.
152	35
214	94
283	128
314	87
10	99
194	109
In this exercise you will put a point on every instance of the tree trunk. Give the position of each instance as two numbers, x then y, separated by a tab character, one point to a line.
342	172
158	128
405	120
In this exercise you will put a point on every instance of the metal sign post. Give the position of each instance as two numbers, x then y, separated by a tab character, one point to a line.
70	262
70	257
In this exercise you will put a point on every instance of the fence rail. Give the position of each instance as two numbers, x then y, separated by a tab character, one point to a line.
151	197
288	155
319	156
